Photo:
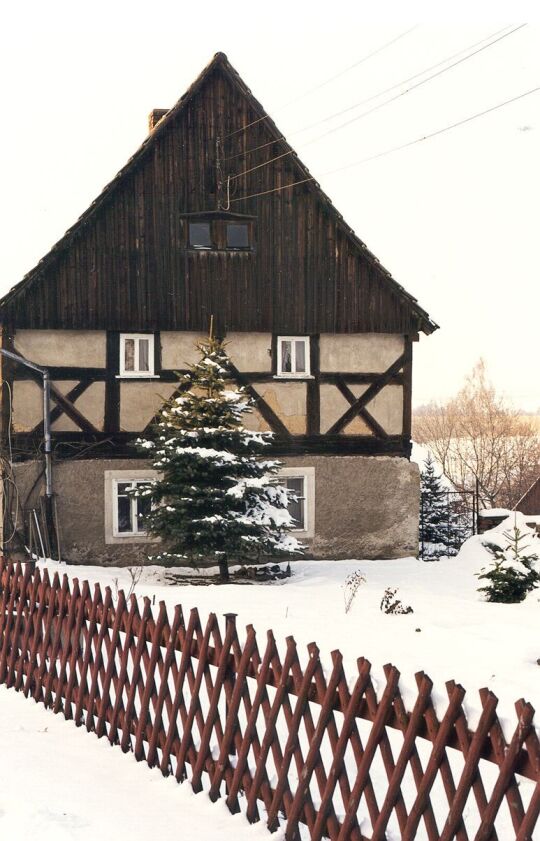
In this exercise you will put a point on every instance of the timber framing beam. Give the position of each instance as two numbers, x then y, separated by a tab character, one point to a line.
360	404
64	403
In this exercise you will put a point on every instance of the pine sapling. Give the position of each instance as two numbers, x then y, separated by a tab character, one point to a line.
511	574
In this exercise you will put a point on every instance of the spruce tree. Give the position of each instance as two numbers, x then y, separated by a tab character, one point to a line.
512	574
216	498
441	528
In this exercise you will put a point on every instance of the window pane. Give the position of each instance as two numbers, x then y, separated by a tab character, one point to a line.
144	507
296	506
286	361
124	513
129	355
143	355
237	235
300	357
199	235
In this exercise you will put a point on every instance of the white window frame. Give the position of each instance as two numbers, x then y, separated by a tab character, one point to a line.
308	475
149	337
299	375
112	479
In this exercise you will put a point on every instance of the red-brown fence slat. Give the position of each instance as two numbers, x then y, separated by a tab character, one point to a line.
437	757
506	775
402	763
470	769
374	741
241	772
186	742
8	671
94	696
157	735
186	636
76	650
17	680
88	634
150	683
66	631
314	754
337	768
130	714
124	653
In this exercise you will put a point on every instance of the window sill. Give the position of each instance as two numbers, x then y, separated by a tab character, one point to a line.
293	377
202	250
137	376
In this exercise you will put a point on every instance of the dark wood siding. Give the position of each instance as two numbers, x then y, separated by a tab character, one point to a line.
125	266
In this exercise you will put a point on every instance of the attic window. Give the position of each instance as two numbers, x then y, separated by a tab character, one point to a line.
199	235
237	235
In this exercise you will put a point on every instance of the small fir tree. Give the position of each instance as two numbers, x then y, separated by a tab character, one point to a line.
511	574
441	528
216	498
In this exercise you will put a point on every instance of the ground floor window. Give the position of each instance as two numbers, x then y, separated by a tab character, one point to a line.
301	483
130	510
125	512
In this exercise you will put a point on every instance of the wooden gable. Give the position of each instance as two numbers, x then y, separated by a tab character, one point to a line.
125	264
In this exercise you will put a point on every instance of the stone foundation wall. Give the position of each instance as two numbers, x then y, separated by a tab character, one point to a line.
365	507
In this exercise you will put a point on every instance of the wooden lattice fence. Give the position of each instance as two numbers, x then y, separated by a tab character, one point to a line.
277	738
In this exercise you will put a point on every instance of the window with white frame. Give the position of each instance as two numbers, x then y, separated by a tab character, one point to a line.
293	356
124	512
129	510
136	355
300	482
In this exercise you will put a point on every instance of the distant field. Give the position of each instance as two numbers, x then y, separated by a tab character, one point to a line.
534	419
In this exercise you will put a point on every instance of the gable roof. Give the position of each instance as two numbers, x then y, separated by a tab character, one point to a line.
530	501
220	61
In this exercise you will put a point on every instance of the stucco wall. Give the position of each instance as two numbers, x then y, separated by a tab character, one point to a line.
359	352
83	348
179	350
365	507
139	402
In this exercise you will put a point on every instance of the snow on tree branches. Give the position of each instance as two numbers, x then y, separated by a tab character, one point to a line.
442	530
511	574
216	498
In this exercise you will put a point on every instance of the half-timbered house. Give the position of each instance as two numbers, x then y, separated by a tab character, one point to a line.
215	215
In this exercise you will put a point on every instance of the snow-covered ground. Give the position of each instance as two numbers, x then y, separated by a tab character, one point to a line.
452	634
58	782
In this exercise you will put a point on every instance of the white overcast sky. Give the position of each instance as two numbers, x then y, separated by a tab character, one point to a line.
455	218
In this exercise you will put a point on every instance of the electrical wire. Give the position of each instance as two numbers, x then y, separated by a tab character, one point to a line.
402	81
397	148
326	82
417	85
388	101
369	98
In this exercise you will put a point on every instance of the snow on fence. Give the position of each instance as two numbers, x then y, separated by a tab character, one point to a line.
278	739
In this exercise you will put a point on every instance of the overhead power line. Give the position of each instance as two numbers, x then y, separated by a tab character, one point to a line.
348	69
388	101
372	97
325	82
402	82
417	85
396	148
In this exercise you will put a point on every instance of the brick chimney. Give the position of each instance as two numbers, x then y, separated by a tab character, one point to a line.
155	116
